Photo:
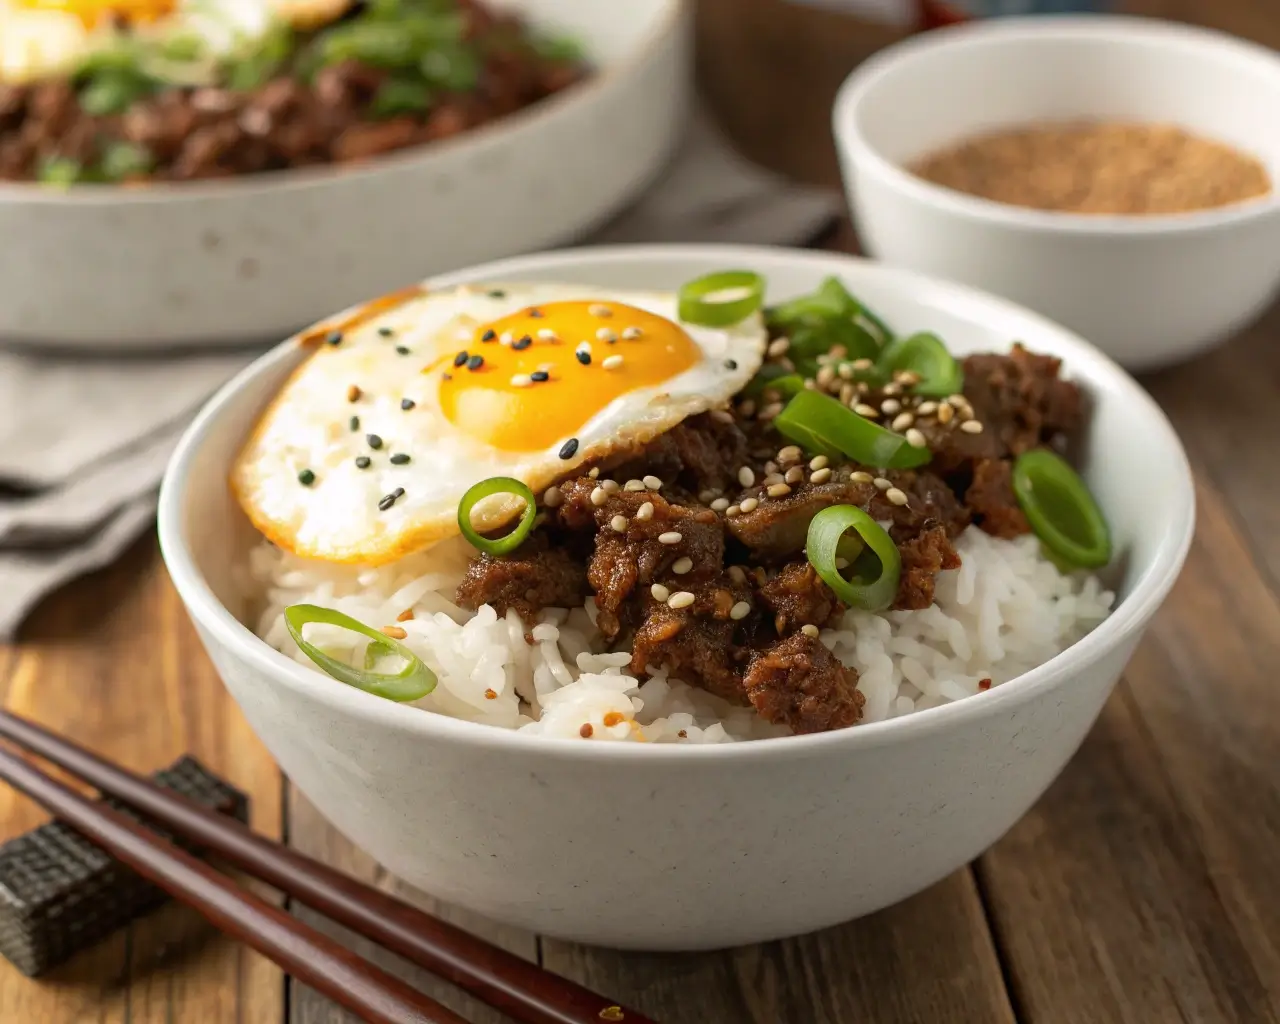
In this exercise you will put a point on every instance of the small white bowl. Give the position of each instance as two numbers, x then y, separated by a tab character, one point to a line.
683	847
254	258
1147	290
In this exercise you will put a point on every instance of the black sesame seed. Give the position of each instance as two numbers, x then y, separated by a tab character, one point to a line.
536	314
399	459
355	424
333	338
306	477
497	293
538	376
731	364
520	344
375	442
398	492
475	362
401	350
489	335
363	462
407	403
386	501
461	357
386	332
584	357
569	449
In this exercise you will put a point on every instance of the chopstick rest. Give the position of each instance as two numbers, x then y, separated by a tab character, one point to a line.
59	893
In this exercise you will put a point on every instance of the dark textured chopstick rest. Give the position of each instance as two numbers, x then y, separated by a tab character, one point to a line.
60	894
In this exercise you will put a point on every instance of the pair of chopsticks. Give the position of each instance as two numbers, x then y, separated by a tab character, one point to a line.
523	991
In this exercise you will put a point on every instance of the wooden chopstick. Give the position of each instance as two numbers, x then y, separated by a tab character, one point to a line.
522	990
305	953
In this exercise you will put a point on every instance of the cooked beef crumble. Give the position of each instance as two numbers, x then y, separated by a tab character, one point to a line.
706	576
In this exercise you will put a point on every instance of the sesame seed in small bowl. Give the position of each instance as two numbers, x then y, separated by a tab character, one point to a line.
1119	175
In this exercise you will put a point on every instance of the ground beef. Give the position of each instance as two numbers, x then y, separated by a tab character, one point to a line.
700	648
798	597
799	683
923	557
536	576
702	453
990	497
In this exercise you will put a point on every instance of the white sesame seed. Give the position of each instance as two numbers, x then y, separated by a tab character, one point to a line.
737	574
869	411
819	462
746	476
861	477
845	371
720	504
707	495
791	453
546	334
521	380
907	377
890	406
506	338
659	592
553	497
653	483
739	611
612	362
770	468
633	485
631	333
722	415
599	496
619	523
610	486
733	510
682	599
847	392
778	347
898	497
594	472
794	475
597	309
957	399
605	335
670	537
893	389
945	412
971	427
773	477
749	505
862	364
682	565
770	411
842	563
584	346
645	511
916	439
825	376
809	630
927	408
820	476
902	421
779	490
882	484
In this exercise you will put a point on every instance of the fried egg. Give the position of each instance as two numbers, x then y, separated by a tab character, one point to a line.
367	450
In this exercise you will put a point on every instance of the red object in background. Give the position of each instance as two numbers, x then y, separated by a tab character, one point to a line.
937	13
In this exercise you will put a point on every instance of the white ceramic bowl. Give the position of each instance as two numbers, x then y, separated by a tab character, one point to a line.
257	257
675	847
1147	290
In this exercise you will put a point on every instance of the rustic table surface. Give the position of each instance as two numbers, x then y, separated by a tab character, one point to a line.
1144	886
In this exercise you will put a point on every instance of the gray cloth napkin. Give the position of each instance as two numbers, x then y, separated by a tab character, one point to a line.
84	438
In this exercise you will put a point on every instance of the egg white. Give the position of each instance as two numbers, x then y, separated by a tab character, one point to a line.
307	427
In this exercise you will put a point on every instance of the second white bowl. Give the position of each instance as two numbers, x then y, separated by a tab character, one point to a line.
1148	290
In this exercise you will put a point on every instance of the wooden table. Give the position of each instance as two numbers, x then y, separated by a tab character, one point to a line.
1144	887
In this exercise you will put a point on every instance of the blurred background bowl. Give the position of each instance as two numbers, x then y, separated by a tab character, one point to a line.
1149	290
255	258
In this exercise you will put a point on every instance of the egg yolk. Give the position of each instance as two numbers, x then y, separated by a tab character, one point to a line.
90	12
533	378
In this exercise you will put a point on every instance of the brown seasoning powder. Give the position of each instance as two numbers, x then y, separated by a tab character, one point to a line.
1100	168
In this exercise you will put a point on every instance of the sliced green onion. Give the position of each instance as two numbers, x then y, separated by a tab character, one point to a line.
925	355
412	682
721	299
59	170
771	376
398	96
821	424
484	489
119	160
830	300
1061	510
877	569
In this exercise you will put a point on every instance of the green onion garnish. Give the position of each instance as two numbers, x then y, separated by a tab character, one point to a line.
484	489
721	299
412	682
925	355
820	424
777	377
1061	510
877	569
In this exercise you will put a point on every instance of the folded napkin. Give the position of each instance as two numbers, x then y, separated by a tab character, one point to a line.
84	438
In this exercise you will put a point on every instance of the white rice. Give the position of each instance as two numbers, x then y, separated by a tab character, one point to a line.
1004	611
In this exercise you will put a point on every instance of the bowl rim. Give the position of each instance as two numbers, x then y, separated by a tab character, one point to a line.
855	89
224	630
669	18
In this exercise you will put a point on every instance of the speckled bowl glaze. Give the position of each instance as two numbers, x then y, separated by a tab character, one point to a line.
255	258
682	847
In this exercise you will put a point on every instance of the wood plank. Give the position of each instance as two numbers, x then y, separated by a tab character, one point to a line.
928	959
313	835
1143	886
113	661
